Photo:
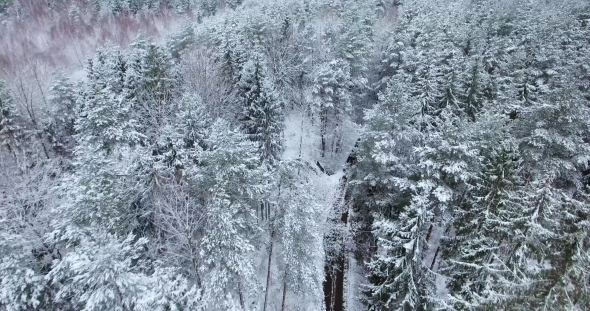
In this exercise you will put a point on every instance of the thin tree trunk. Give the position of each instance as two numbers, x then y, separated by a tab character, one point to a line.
301	138
429	233
268	270
434	259
283	304
333	293
241	295
323	130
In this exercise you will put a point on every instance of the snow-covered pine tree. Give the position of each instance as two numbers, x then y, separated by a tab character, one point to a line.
233	183
355	44
262	114
530	88
172	200
403	211
481	270
60	128
209	7
24	286
117	6
425	144
178	42
231	53
298	221
332	103
101	273
135	6
369	178
401	280
552	136
10	130
106	134
151	83
104	270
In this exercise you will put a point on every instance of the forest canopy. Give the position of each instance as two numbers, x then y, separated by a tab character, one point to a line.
329	155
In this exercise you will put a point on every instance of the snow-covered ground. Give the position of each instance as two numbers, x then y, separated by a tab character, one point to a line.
302	140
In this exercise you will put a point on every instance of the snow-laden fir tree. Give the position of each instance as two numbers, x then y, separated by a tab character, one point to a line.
10	130
106	135
398	275
297	222
151	84
233	181
355	44
481	269
24	286
332	103
28	202
262	114
551	132
60	128
178	42
101	273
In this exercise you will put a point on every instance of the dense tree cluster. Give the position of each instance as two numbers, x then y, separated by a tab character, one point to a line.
472	167
208	170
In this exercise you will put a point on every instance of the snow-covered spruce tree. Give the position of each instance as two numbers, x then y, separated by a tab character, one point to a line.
551	132
97	212
544	194
481	270
426	152
368	187
262	114
206	184
10	130
231	51
209	7
205	187
355	43
152	88
332	103
400	281
566	281
106	134
117	6
25	218
256	29
233	184
60	127
112	182
427	157
297	221
101	273
151	83
402	210
178	42
23	283
135	6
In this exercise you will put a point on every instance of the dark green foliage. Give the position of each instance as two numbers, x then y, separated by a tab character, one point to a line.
262	111
10	130
4	4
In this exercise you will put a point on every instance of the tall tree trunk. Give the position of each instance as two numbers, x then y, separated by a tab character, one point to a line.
337	265
241	296
283	304
268	270
323	130
429	233
434	258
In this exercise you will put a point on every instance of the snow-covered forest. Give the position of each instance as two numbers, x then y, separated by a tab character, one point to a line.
282	155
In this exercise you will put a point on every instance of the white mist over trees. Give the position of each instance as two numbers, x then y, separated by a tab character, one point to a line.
295	155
